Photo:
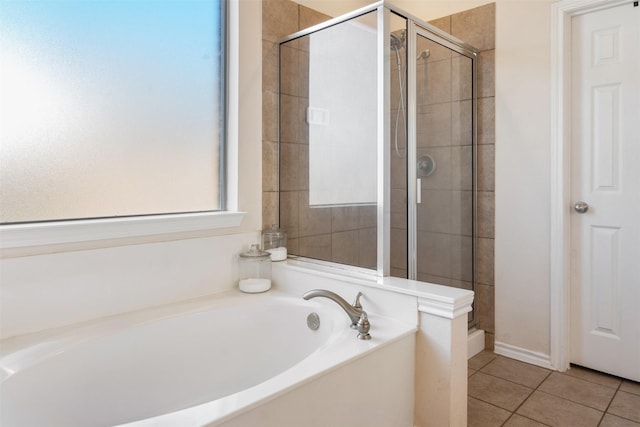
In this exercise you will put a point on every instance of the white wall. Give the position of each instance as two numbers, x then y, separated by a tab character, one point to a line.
522	160
522	175
58	288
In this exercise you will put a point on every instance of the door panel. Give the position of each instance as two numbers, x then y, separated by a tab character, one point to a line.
605	281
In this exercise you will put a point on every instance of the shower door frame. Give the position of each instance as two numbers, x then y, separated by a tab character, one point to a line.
415	27
424	30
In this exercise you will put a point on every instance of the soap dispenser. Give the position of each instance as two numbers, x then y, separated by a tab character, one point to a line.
254	270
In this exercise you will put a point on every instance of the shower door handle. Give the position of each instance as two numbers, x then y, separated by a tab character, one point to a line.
418	191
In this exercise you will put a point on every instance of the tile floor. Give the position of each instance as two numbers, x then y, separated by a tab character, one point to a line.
507	392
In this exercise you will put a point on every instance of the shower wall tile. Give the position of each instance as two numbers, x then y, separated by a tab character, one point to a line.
430	278
293	245
443	23
462	285
486	214
289	213
303	70
461	213
433	125
270	116
398	246
461	82
289	71
461	253
290	173
476	26
318	247
435	211
279	19
398	221
487	74
398	168
484	258
489	341
486	162
368	217
462	167
303	161
270	208
486	121
429	85
344	247
269	66
269	166
310	17
289	128
313	221
434	253
485	296
345	218
461	121
367	249
399	272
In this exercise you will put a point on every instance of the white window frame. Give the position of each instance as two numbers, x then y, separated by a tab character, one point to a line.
33	238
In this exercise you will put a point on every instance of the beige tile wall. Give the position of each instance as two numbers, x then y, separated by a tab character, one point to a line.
477	27
346	235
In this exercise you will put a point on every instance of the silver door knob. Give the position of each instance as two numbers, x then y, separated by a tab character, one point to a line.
581	207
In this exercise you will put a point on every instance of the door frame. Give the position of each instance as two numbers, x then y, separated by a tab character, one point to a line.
560	155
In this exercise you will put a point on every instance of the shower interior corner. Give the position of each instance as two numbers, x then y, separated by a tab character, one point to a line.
377	147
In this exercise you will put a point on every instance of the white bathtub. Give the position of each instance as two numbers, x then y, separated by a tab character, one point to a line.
232	359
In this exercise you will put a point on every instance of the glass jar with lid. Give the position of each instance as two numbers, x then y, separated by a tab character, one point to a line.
274	241
254	270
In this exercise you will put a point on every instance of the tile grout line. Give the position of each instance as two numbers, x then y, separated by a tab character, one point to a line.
528	397
595	372
606	411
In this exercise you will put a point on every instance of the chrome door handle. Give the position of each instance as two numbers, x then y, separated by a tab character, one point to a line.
581	207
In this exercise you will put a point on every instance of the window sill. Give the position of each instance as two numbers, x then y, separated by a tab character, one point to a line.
15	239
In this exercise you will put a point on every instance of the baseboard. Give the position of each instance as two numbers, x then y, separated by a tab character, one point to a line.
475	342
523	355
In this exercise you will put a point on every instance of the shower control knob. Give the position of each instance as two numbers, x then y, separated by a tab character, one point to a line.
581	207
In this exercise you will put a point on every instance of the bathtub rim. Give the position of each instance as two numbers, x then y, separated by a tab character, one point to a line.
24	351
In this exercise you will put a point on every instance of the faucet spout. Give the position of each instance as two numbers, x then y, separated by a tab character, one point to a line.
357	315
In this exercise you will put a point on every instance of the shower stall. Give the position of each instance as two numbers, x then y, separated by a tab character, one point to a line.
377	146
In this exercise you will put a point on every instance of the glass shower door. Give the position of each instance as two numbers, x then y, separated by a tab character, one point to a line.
444	166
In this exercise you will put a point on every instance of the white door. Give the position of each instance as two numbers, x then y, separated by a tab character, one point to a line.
605	245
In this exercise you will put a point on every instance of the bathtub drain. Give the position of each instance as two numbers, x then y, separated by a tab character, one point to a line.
313	321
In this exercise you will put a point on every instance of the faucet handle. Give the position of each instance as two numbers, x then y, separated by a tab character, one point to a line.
356	303
363	327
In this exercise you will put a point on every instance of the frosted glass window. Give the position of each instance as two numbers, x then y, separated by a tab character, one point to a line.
110	108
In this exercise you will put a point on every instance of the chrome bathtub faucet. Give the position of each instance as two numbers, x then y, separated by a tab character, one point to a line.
358	316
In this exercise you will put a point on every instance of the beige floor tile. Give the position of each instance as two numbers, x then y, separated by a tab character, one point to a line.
558	412
626	405
470	372
593	376
587	393
613	421
499	392
481	414
630	387
516	371
481	359
520	421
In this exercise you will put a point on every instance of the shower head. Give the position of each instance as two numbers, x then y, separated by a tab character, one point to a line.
423	55
397	41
